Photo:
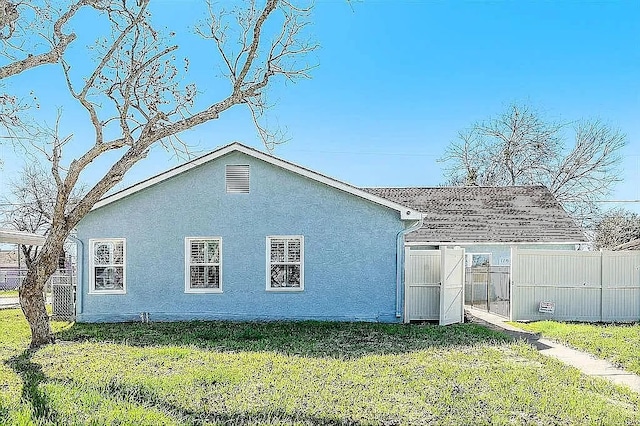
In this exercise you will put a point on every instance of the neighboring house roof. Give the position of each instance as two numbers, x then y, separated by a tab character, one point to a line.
405	213
18	237
472	214
631	245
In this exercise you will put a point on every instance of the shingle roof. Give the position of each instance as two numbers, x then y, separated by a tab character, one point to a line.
471	214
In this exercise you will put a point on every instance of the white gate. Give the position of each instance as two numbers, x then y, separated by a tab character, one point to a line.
452	289
422	285
424	293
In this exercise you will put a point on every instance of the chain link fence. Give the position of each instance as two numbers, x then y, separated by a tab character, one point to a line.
488	288
60	290
11	278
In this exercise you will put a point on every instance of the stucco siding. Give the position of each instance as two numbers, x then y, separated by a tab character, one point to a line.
349	248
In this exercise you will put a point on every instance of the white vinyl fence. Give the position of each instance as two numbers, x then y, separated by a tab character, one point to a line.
434	285
422	285
580	286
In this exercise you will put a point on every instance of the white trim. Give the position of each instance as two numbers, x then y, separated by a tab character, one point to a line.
406	213
268	264
486	243
187	264
92	278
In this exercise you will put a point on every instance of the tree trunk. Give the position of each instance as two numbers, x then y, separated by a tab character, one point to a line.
33	305
31	291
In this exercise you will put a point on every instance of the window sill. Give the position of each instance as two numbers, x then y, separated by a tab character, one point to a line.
203	291
285	289
107	292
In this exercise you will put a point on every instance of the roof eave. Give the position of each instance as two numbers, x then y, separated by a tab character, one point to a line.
17	237
406	213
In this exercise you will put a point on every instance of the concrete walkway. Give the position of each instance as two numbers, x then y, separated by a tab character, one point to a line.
14	302
584	362
9	302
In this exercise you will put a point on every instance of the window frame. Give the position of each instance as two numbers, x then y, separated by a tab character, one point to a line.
92	266
269	263
188	264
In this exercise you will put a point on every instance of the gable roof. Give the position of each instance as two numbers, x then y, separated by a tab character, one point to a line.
405	213
472	214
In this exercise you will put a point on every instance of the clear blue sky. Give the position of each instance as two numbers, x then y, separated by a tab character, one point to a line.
397	80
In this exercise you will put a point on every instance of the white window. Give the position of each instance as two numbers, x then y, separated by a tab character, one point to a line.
107	264
285	263
237	179
203	257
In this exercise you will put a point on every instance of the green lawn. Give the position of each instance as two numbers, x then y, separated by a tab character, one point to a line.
293	373
617	343
8	293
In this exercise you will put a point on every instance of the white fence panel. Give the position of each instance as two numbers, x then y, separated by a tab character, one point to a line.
422	285
584	286
571	303
621	286
556	268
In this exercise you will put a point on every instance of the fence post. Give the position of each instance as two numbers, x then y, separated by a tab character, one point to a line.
601	287
488	287
514	254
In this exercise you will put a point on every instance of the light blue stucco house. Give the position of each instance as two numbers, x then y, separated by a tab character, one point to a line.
239	234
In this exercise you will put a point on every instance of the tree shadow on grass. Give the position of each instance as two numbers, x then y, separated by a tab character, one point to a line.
4	414
146	397
305	338
32	376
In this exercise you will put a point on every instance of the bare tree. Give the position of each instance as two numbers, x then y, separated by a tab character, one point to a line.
134	98
589	171
31	202
25	50
519	147
31	35
616	227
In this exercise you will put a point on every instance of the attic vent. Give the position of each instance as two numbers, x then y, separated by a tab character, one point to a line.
237	179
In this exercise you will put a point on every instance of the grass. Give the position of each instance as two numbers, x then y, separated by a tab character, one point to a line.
293	373
617	343
8	293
